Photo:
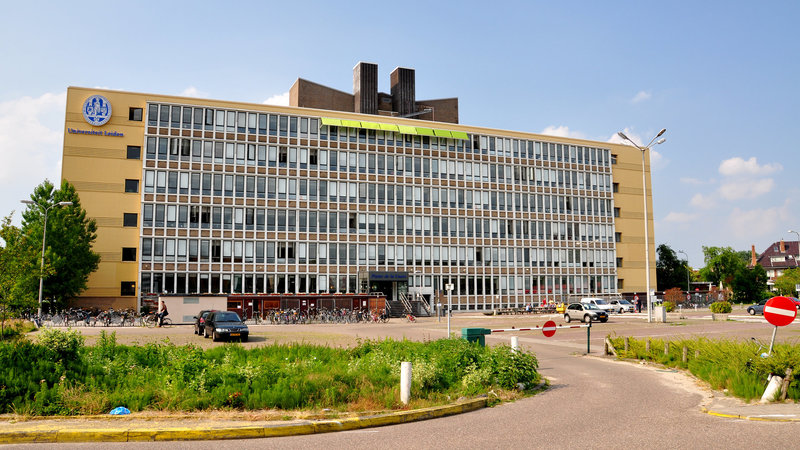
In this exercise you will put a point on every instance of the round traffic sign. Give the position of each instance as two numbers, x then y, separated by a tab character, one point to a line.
549	328
780	311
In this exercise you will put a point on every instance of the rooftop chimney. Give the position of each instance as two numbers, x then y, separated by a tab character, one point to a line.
403	94
365	88
783	247
753	256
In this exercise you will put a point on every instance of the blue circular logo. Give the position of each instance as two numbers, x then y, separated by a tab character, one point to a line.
97	110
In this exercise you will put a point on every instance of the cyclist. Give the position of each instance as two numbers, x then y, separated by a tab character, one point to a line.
163	313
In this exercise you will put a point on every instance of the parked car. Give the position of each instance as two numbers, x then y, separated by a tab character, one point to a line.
796	302
585	312
200	321
599	303
225	324
758	308
622	305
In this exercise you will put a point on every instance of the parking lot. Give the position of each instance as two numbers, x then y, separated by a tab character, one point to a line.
739	325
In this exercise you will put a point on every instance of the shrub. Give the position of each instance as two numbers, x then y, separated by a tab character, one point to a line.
721	307
669	306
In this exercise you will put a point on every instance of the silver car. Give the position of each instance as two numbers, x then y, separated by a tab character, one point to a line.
621	306
585	312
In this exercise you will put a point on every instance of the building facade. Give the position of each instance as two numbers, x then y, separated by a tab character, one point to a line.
201	197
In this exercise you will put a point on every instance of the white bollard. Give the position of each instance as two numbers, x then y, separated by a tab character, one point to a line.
515	343
773	389
405	382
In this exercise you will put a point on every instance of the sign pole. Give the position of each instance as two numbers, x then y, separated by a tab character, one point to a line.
449	287
588	338
774	332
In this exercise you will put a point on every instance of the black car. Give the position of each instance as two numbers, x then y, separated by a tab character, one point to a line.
200	321
225	324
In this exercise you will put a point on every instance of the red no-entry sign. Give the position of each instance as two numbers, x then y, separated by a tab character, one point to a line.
549	328
780	311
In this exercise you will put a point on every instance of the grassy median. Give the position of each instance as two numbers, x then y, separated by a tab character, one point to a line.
59	375
735	366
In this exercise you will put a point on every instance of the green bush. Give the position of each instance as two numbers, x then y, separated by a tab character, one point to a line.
58	375
720	307
669	306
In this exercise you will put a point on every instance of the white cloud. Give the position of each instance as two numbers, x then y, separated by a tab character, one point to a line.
31	138
702	201
192	91
641	96
278	99
562	131
759	222
738	166
746	189
679	217
696	182
615	139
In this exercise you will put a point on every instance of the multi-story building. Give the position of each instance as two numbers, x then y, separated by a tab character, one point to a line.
197	196
776	258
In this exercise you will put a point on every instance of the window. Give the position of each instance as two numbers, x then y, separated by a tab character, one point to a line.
127	288
134	152
614	161
617	237
619	262
615	187
130	220
135	114
620	284
132	186
129	253
616	212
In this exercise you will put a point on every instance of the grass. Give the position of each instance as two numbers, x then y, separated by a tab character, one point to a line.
59	375
730	365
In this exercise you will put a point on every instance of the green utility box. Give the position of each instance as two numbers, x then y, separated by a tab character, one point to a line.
475	335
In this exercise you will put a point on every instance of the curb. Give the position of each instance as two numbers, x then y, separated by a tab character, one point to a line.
710	412
156	433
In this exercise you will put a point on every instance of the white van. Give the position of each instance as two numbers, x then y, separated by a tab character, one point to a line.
599	302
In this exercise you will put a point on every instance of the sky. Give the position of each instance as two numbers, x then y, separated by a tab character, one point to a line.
720	76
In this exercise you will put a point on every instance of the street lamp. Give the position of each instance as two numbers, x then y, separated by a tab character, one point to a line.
644	149
798	245
687	270
44	237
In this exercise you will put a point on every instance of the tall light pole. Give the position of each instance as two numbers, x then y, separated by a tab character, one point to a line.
687	270
44	238
644	150
798	245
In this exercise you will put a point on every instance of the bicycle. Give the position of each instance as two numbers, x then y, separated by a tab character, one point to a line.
410	318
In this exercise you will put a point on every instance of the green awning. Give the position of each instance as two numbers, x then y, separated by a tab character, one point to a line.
405	129
371	125
388	127
329	121
442	133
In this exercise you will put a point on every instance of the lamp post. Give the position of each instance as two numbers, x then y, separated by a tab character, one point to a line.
798	245
653	142
687	269
44	238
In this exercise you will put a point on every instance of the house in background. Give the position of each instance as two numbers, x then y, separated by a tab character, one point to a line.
778	257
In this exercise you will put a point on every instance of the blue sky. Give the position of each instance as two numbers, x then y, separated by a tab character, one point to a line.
720	76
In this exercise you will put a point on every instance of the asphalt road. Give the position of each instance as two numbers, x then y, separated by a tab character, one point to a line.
593	402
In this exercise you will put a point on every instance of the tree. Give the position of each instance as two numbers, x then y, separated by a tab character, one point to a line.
722	264
15	264
70	235
670	271
749	285
785	284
